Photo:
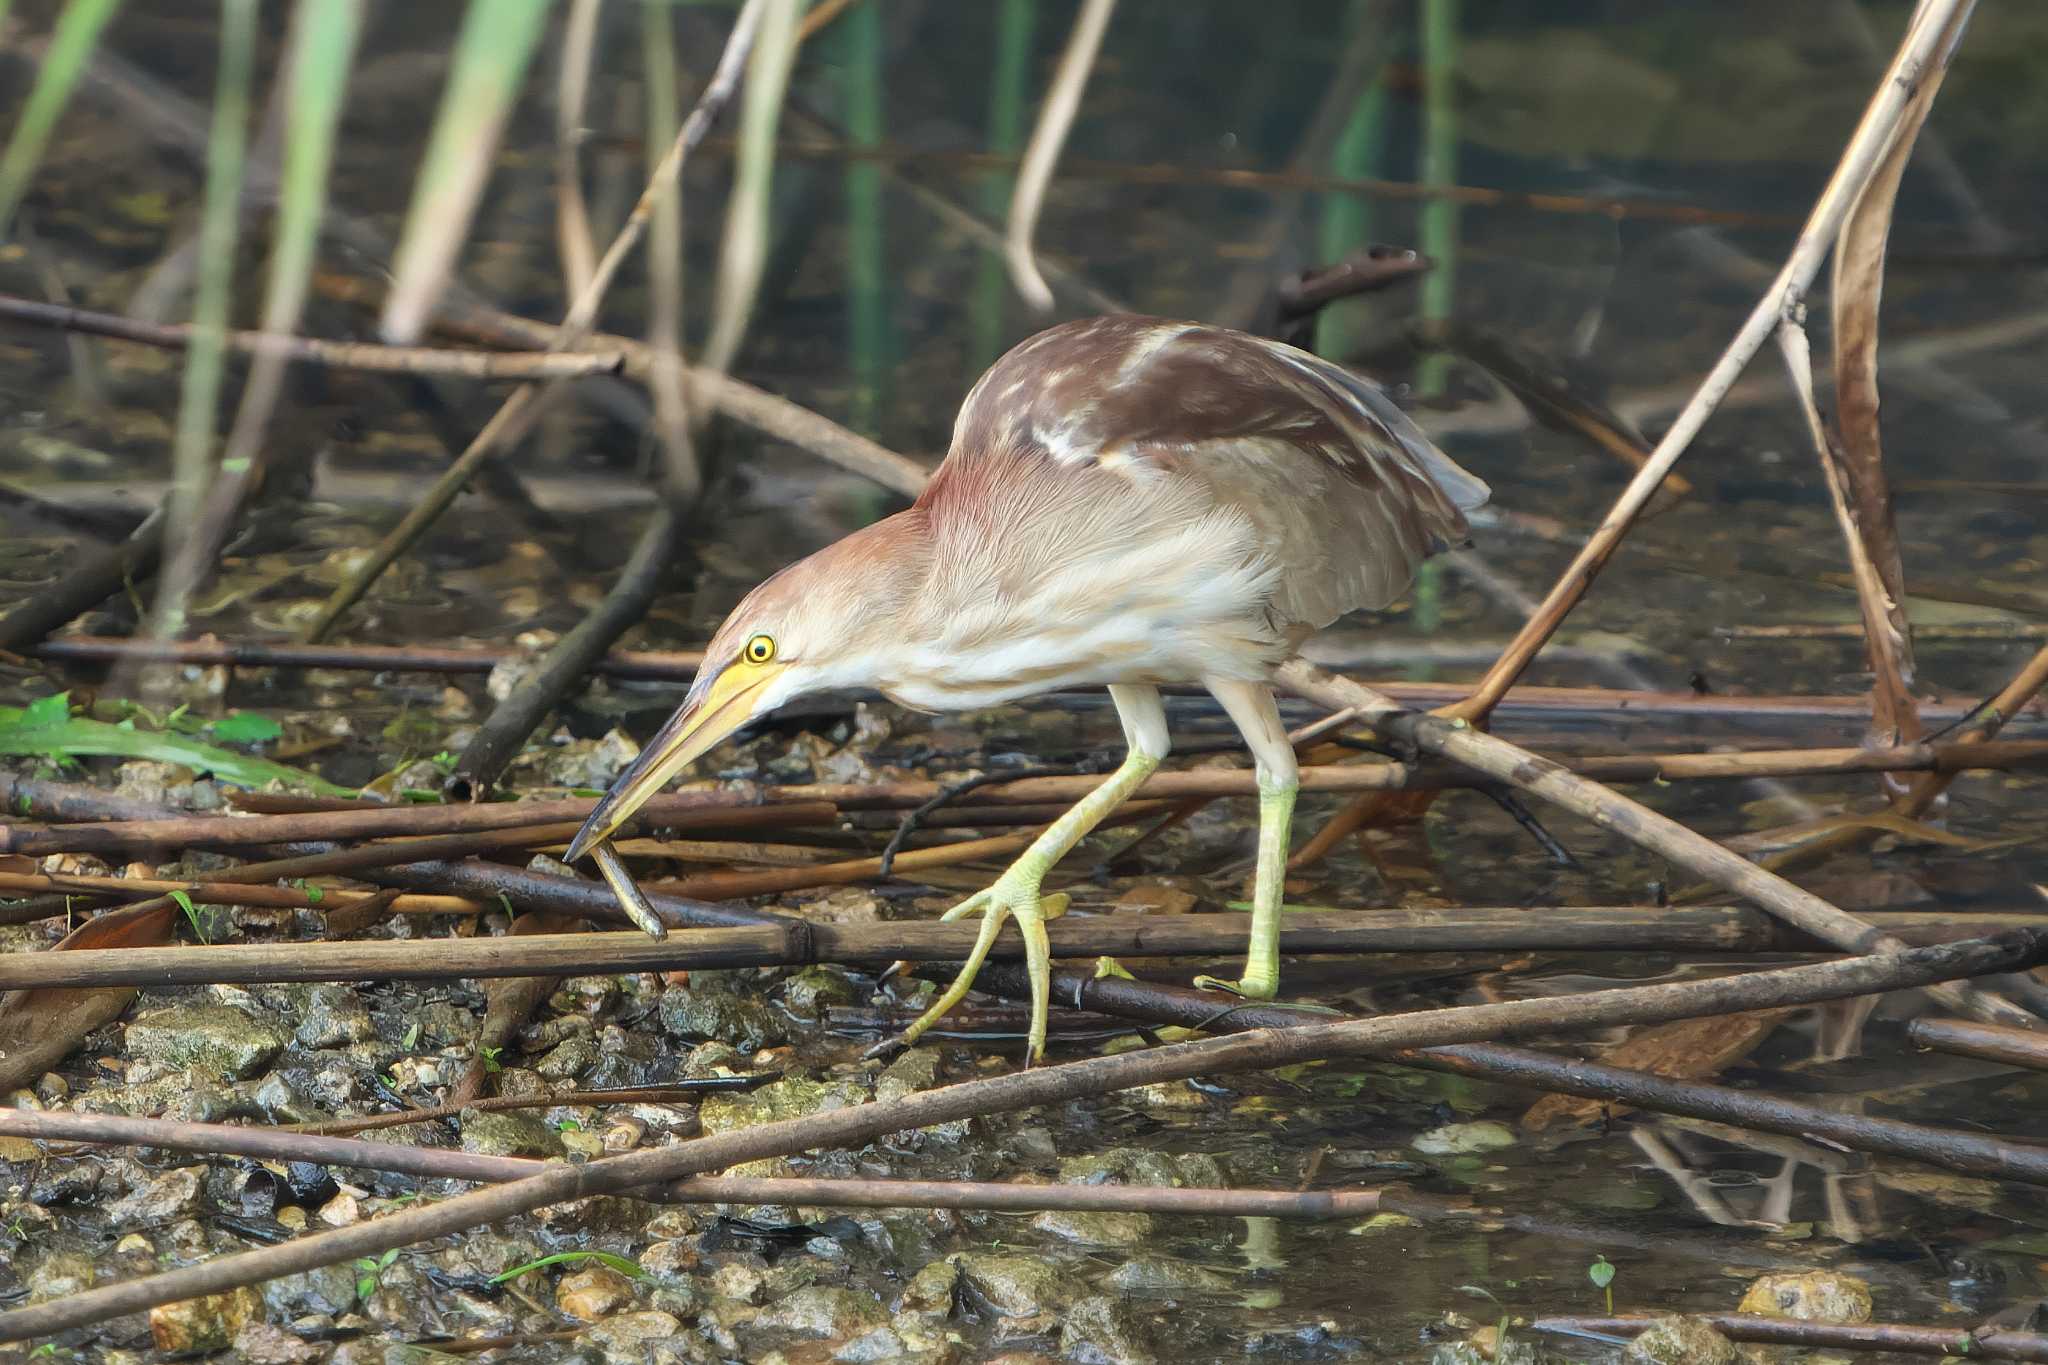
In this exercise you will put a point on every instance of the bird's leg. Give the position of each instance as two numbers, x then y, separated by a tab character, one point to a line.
1251	707
1015	893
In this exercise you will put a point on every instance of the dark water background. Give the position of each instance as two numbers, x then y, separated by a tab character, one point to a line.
1737	109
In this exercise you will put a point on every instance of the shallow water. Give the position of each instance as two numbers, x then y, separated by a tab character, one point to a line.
1649	109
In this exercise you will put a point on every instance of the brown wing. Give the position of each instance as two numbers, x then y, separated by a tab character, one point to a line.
1346	491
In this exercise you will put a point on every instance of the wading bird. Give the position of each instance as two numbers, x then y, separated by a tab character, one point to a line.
1126	502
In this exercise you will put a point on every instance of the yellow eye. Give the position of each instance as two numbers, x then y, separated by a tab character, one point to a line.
759	650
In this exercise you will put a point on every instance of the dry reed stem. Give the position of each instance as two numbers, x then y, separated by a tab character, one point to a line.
573	241
1042	153
1855	466
1924	47
865	1123
515	419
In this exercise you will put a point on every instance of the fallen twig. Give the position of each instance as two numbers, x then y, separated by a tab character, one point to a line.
1989	1343
283	1144
1988	1041
1262	1049
1540	777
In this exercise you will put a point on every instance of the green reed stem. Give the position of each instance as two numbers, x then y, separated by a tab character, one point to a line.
1438	220
71	46
867	284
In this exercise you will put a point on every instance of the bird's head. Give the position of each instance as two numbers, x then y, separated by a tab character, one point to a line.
818	625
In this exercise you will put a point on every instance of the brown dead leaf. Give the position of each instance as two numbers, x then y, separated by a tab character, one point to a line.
40	1028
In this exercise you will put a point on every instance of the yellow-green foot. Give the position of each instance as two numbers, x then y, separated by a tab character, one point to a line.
1249	987
1014	896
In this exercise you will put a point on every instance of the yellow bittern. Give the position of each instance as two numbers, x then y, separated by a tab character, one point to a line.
1127	502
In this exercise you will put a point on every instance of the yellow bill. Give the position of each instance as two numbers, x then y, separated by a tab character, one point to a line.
718	705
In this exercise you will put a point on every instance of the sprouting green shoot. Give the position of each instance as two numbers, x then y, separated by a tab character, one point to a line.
1601	1273
191	915
370	1270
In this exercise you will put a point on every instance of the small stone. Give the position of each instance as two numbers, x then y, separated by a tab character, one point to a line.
1160	1275
823	1311
1680	1341
60	1275
512	1133
595	1291
172	1195
342	1211
789	1098
1016	1285
931	1289
214	1039
259	1343
334	1016
632	1336
1100	1330
1465	1139
1809	1296
208	1324
710	1010
814	990
1099	1229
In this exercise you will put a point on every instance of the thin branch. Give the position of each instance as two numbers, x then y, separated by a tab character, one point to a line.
1052	1085
347	355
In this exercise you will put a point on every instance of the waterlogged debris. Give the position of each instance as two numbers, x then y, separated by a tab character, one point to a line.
1381	1223
1465	1139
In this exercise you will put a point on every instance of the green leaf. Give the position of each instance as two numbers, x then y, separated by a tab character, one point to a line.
246	727
313	893
51	710
1601	1272
618	1263
40	731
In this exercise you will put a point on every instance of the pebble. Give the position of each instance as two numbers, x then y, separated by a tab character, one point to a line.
207	1324
1680	1341
593	1292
